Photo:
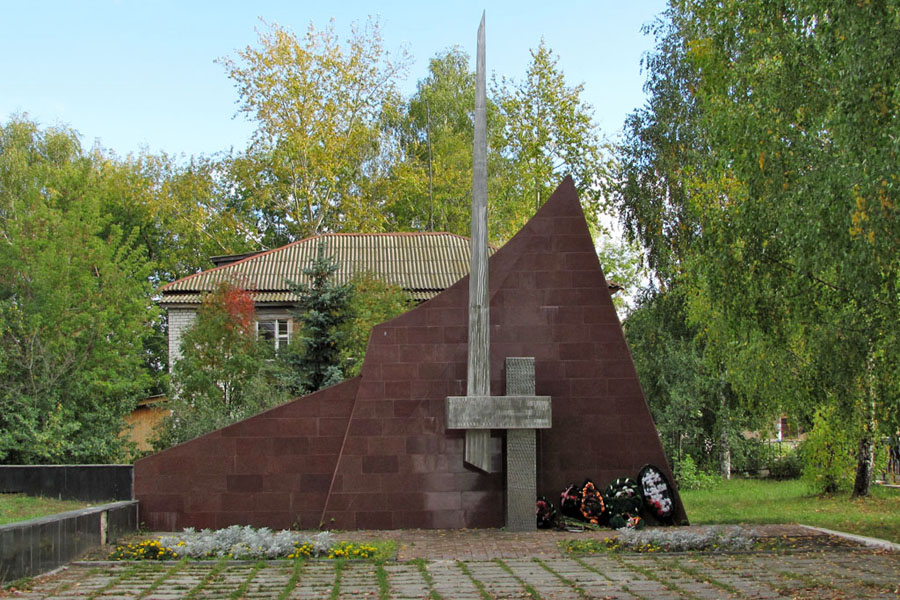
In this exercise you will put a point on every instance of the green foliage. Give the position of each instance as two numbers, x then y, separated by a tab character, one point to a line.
661	143
74	304
787	466
828	452
882	466
761	176
780	459
623	264
548	133
176	213
224	373
749	456
690	477
671	372
322	309
372	302
539	130
431	180
179	211
696	410
88	238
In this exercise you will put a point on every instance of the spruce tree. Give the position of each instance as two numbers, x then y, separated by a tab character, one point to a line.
322	307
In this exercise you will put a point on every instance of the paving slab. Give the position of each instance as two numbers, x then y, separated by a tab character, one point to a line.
406	583
543	581
476	565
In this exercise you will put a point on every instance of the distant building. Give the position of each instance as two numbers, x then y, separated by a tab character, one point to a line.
142	421
423	264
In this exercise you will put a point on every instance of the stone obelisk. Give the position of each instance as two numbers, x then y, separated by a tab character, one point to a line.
478	442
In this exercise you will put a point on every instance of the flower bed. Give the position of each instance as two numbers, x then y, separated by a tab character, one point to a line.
242	543
718	539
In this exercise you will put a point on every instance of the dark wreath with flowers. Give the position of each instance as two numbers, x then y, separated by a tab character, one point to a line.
657	492
625	502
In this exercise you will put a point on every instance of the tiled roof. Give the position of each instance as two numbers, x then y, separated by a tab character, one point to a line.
424	264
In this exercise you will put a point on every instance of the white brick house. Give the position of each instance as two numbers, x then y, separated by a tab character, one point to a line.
423	264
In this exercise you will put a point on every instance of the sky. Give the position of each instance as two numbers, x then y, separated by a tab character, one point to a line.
137	76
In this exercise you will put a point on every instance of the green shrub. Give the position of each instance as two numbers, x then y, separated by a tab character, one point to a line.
787	466
690	477
881	466
747	456
827	452
754	455
373	301
224	374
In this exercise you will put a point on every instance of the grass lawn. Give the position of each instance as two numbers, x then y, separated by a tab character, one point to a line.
765	501
19	507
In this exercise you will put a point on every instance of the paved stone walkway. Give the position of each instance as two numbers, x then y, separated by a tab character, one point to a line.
497	565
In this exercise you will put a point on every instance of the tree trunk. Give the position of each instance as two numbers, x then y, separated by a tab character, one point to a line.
725	457
865	461
724	445
865	455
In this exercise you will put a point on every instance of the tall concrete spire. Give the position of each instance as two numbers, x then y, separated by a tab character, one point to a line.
478	442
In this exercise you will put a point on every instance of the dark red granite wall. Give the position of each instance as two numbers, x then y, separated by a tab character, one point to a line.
272	470
373	452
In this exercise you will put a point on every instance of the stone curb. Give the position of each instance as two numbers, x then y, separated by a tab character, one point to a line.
861	539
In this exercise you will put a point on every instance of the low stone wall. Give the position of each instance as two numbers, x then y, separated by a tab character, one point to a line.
91	483
33	547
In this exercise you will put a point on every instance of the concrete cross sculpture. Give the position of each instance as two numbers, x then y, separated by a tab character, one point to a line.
520	412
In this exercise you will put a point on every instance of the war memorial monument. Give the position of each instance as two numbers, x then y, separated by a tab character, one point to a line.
509	385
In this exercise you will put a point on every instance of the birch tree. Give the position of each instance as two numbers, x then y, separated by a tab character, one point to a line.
318	105
548	132
788	199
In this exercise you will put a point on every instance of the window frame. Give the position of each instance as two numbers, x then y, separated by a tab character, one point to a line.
279	338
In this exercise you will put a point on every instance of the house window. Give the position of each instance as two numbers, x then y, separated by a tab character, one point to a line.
277	331
787	429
